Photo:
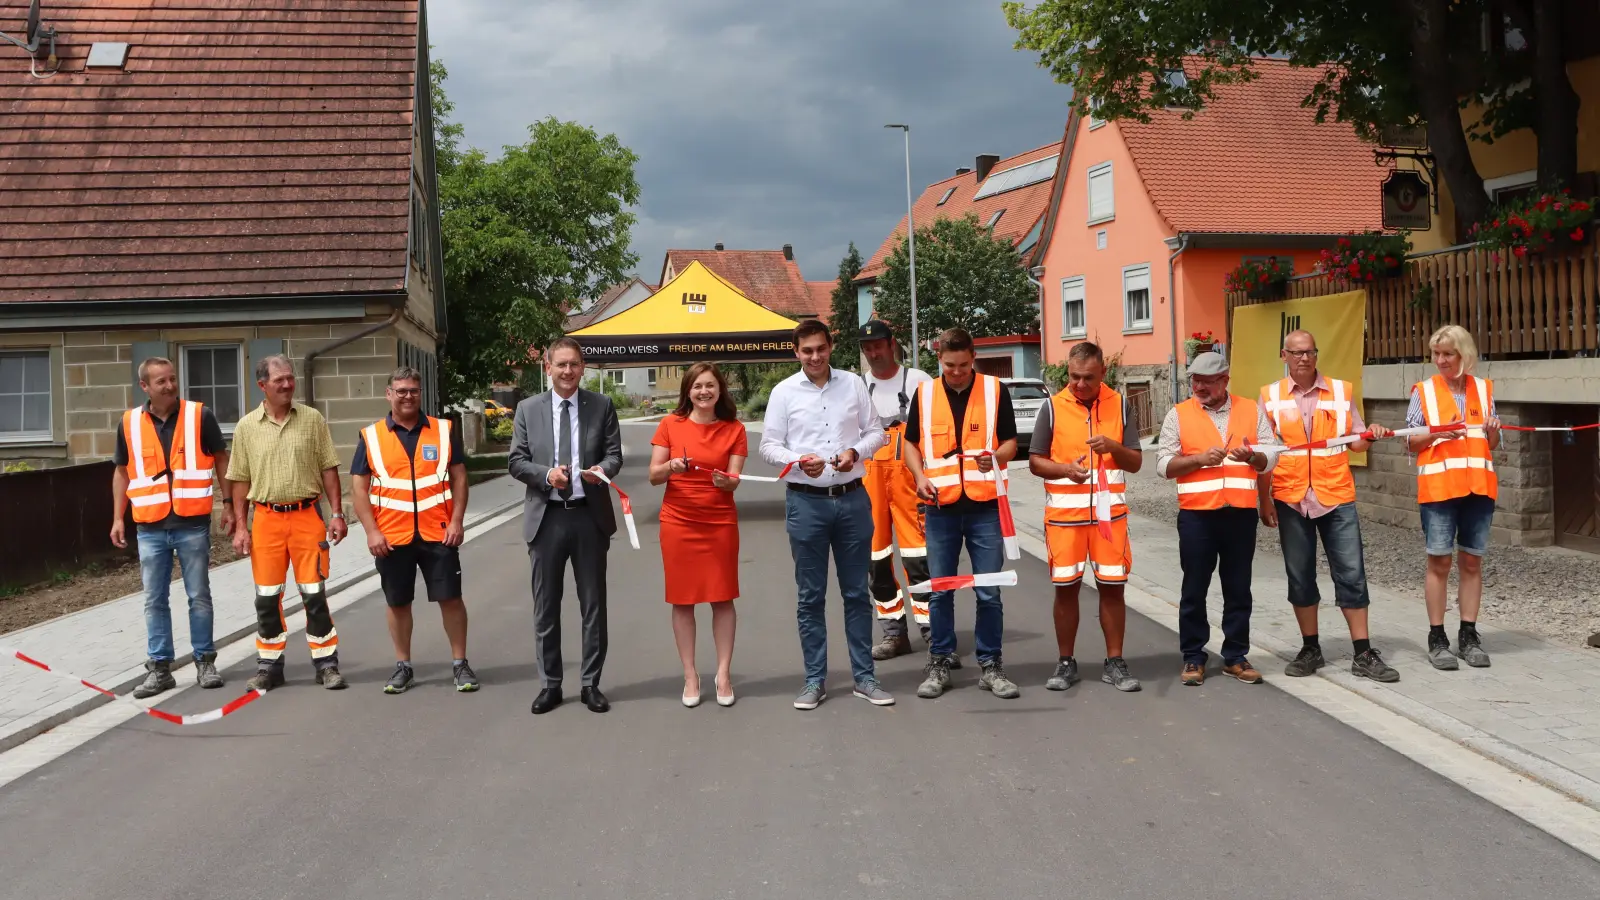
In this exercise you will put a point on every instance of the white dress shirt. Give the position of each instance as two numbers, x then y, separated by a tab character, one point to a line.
803	418
555	450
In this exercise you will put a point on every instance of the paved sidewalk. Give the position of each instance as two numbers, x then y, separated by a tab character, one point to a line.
105	644
1537	709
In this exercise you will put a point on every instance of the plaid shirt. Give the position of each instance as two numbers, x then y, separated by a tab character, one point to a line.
282	461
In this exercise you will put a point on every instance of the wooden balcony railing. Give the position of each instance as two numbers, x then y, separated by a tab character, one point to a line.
1535	307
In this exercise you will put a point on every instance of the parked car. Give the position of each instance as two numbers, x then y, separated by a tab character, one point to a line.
493	410
1027	395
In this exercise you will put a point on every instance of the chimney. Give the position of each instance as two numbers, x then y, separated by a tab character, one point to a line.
718	246
962	170
986	161
788	252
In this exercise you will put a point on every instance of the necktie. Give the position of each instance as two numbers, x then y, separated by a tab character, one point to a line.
564	448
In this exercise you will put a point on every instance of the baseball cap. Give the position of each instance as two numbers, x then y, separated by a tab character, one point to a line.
1209	363
876	330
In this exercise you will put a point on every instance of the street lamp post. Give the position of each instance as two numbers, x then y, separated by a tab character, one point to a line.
911	248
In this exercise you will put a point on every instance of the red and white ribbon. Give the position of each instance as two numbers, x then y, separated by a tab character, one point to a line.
1008	526
191	719
957	582
1102	498
1550	427
627	507
1352	438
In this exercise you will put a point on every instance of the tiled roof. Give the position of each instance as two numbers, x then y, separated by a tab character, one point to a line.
764	276
822	298
1254	160
245	149
1023	206
594	311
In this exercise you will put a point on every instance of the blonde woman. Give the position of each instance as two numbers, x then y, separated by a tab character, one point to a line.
1456	487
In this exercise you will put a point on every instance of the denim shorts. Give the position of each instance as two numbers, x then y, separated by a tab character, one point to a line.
1459	523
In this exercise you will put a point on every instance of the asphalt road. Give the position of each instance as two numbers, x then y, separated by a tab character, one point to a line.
1226	791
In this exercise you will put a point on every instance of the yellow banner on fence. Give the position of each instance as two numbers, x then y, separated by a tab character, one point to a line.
1337	322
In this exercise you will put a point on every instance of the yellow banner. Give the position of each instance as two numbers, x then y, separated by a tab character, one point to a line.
1337	322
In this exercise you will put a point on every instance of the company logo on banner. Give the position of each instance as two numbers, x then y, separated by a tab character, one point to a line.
1338	323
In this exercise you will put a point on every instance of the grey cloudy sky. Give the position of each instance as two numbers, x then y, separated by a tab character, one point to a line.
756	123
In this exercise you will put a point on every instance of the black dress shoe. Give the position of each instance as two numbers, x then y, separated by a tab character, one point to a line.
548	699
595	700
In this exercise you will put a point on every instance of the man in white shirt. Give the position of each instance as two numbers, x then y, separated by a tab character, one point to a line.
820	420
893	493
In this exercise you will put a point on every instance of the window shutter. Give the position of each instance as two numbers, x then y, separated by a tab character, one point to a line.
259	349
143	350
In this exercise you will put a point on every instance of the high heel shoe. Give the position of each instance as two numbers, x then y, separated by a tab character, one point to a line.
725	699
691	702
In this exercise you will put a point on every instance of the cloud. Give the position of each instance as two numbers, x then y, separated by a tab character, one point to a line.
757	124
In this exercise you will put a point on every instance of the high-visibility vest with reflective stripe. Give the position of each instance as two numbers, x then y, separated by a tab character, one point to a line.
943	438
1461	465
1327	469
410	497
157	488
1231	483
1066	502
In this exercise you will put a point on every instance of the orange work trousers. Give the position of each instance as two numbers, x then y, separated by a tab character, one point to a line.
895	520
279	540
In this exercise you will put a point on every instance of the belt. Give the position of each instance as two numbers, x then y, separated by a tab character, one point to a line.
574	503
293	506
837	490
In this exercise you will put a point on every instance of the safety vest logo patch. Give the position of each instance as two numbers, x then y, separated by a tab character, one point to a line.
430	452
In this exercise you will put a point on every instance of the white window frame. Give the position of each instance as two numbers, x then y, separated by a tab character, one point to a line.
1514	181
34	437
1074	282
1088	183
1094	121
183	378
1129	324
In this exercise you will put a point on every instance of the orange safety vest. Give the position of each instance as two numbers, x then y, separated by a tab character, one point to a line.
942	439
155	488
894	434
1231	483
410	497
1461	465
1067	502
1327	469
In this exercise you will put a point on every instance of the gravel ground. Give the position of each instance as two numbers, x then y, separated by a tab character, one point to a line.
1543	591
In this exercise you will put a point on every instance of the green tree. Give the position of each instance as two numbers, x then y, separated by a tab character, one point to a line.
1418	61
965	277
844	314
526	237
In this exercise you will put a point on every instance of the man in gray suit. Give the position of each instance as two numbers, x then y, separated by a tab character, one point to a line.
559	436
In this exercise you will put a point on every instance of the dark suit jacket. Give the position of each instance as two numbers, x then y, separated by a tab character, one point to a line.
533	450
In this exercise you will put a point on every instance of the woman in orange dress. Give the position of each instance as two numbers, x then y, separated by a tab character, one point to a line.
699	522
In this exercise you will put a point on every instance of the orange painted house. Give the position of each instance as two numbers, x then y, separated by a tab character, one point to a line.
1146	219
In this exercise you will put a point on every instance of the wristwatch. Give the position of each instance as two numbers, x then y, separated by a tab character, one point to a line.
338	515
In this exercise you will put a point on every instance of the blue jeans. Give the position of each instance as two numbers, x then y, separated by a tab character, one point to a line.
1341	540
980	531
1461	524
193	546
843	524
1221	541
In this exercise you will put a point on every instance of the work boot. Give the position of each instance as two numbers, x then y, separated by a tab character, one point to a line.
1307	663
995	681
891	646
935	677
1370	664
331	679
1066	675
205	671
1470	648
266	678
1439	653
927	634
158	678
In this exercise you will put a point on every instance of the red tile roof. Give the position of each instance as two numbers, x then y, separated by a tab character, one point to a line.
245	148
1023	206
1254	160
764	276
822	298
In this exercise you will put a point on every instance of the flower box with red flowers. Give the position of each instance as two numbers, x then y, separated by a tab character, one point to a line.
1260	279
1364	257
1552	222
1199	342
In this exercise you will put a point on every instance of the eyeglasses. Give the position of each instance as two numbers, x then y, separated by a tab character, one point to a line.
1301	354
405	392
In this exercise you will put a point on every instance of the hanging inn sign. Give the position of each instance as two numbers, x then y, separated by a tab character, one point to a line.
1405	201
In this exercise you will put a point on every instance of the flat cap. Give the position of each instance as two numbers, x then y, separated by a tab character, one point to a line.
1209	363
